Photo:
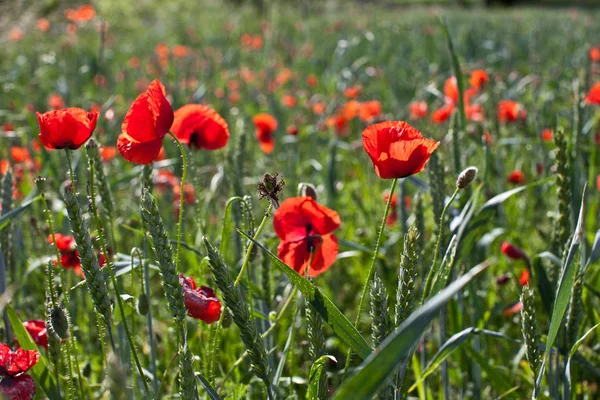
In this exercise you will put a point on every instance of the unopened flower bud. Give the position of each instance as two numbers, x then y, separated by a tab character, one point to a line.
40	182
91	144
142	305
59	322
466	177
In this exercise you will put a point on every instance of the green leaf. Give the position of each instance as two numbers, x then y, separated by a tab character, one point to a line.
449	347
323	305
212	393
40	373
496	377
6	218
443	273
314	377
502	197
377	368
571	354
563	293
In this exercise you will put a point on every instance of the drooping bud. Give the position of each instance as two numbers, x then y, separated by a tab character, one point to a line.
307	189
143	304
466	177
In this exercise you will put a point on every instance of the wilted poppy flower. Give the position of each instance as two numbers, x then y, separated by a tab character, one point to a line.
442	114
200	127
512	251
66	129
265	125
517	177
524	277
510	111
38	332
593	96
396	149
478	78
201	302
145	125
305	228
417	109
15	384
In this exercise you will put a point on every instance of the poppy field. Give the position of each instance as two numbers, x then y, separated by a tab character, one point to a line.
203	201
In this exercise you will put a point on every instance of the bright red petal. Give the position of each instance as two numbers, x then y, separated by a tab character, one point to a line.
139	153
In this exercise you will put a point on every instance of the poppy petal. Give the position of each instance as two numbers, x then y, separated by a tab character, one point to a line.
139	153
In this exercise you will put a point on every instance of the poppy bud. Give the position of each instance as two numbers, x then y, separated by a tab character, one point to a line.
227	318
91	144
466	177
59	322
307	189
143	304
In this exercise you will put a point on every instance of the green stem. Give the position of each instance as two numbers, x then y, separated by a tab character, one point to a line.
251	245
429	280
113	278
371	267
181	198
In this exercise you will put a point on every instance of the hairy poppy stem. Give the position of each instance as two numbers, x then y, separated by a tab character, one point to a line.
371	267
429	280
251	245
181	198
109	266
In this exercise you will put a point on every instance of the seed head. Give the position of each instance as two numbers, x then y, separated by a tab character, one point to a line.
270	186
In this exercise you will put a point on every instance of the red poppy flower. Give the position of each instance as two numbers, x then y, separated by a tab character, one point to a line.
512	251
524	277
478	78
474	112
352	92
595	54
369	110
351	109
547	135
393	215
311	81
593	96
200	127
145	125
16	363
510	111
19	154
319	108
451	90
397	150
108	153
339	123
66	129
56	102
289	101
417	109
517	177
442	114
38	332
265	125
201	302
598	182
69	257
515	308
305	228
292	130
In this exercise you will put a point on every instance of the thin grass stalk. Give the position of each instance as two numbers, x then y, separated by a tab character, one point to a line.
109	265
429	280
371	269
251	245
6	195
316	344
181	199
380	323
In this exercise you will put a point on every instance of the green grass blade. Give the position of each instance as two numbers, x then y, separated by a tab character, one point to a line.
376	369
40	373
212	393
502	197
323	305
460	81
6	218
563	293
571	354
314	378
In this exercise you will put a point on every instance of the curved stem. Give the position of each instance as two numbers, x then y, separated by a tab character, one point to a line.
181	198
113	278
251	245
372	266
429	280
